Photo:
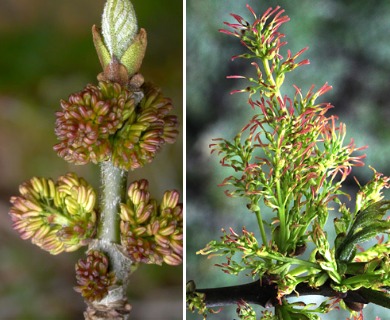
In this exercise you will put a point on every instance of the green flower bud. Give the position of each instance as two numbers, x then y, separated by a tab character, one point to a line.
56	216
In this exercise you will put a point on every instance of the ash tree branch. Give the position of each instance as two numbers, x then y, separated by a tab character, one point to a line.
253	292
264	293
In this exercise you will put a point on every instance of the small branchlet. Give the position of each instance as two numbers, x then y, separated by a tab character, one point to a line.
121	124
289	163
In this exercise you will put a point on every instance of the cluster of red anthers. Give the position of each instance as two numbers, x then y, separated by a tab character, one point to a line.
104	123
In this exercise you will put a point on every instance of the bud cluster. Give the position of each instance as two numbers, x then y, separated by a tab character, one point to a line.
88	119
138	141
372	191
152	234
102	123
263	40
245	311
93	276
56	216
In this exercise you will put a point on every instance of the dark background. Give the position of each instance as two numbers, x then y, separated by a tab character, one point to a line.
46	53
349	48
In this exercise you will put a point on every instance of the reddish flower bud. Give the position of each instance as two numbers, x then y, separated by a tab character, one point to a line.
152	234
93	276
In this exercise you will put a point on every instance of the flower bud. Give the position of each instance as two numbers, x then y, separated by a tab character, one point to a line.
137	143
152	234
103	123
56	216
88	119
93	276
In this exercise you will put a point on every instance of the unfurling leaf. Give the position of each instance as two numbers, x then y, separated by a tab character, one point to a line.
367	224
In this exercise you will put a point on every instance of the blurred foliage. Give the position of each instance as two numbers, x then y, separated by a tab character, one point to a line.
348	48
46	53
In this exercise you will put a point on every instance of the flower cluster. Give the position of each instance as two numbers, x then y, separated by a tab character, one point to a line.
56	216
292	158
263	30
88	119
152	234
138	141
103	122
268	315
263	40
93	276
373	191
245	311
290	152
196	301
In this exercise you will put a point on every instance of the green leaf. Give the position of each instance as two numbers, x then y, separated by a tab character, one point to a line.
372	213
368	223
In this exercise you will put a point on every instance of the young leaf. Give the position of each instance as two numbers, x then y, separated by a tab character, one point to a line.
368	223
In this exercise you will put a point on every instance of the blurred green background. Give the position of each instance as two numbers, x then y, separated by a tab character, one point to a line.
349	47
46	53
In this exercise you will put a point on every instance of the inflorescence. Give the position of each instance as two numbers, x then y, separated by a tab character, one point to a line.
150	233
57	216
103	123
93	276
